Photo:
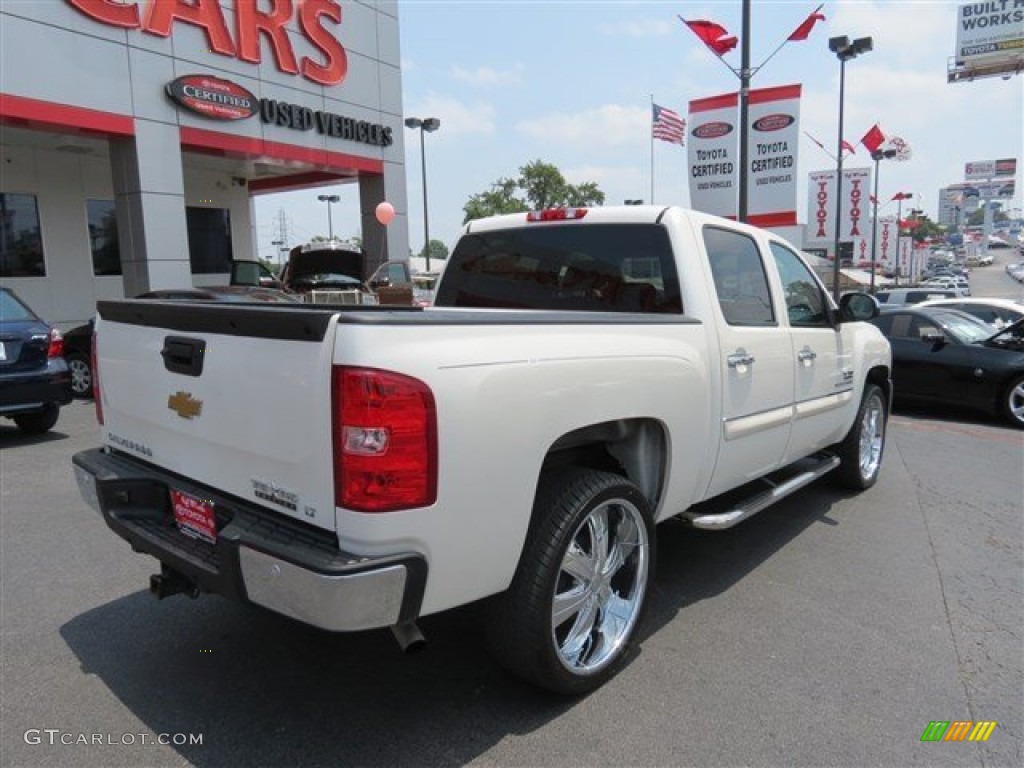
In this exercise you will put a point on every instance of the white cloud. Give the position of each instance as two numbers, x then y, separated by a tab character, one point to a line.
486	77
610	125
457	117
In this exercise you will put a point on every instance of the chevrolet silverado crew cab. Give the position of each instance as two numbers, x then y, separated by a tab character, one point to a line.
584	375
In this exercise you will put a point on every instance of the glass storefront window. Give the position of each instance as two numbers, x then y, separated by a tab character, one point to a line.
106	253
209	240
21	241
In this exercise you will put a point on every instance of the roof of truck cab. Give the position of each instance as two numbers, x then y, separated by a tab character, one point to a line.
611	214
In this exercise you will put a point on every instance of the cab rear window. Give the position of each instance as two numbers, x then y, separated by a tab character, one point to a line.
576	267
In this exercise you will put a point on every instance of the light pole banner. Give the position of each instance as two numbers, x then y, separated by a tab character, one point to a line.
713	152
886	253
773	137
862	251
906	247
854	208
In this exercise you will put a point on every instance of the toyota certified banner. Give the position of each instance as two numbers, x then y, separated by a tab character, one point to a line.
772	140
772	153
886	248
713	152
854	208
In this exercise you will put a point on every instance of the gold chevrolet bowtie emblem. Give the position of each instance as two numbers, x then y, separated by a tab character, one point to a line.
183	404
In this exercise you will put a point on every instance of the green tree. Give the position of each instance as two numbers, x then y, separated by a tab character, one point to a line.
438	250
925	229
977	218
539	185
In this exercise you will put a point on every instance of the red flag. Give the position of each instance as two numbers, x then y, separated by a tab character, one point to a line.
804	30
711	35
873	139
902	195
848	147
872	199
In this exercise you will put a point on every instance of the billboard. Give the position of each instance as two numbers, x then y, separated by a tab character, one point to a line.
990	169
989	39
773	134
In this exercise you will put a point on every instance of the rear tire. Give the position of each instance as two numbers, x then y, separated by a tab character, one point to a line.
579	591
81	375
860	453
1013	402
39	422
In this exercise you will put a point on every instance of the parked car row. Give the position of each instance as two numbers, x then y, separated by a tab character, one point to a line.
1016	271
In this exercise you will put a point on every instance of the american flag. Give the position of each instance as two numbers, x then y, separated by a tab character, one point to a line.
668	125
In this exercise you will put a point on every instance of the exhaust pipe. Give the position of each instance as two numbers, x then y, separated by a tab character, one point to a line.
409	637
169	582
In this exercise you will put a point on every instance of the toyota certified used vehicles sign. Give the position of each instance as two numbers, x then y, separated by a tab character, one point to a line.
213	97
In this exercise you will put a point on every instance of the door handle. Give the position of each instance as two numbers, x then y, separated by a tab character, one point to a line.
739	358
806	355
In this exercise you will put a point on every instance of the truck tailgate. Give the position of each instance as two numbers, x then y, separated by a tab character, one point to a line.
234	397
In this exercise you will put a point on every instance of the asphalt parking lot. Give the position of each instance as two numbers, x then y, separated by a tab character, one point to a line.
829	630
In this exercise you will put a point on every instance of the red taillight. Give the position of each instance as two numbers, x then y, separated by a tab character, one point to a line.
385	440
96	381
56	347
556	214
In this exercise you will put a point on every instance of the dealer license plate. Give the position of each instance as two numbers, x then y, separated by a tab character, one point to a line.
194	516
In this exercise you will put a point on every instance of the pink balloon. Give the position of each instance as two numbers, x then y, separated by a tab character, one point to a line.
385	212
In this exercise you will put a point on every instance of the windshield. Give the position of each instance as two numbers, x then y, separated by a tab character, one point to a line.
965	328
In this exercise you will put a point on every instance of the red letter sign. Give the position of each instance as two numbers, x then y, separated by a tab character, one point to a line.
205	14
334	69
252	21
109	12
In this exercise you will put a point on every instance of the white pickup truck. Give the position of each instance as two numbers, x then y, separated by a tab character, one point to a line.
584	375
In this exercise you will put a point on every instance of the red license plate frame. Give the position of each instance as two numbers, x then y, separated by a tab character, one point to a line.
195	517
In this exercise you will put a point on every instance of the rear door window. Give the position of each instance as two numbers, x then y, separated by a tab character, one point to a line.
740	280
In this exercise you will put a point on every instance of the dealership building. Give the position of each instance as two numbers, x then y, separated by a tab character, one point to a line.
135	135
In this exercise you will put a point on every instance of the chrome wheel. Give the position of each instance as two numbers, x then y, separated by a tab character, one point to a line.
81	377
872	436
600	586
1015	402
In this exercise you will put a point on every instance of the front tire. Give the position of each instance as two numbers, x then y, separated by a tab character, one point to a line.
580	589
860	453
39	422
1013	403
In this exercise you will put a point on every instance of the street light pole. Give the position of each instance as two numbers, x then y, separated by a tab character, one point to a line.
430	124
329	199
878	155
844	50
899	197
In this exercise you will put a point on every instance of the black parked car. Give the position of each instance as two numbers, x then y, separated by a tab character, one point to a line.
946	356
34	379
78	341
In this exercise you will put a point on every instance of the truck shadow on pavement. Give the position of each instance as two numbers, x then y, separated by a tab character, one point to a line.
12	437
265	690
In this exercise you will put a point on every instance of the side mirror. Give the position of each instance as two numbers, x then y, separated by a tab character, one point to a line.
936	339
857	307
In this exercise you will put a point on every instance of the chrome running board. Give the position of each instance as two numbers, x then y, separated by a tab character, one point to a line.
727	510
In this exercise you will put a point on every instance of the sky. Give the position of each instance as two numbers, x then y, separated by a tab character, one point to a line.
571	83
